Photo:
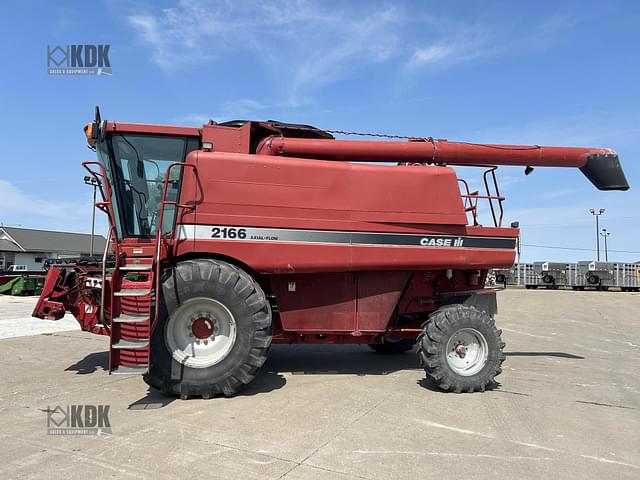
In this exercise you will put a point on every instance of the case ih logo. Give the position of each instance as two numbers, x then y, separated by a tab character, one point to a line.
78	420
441	242
78	60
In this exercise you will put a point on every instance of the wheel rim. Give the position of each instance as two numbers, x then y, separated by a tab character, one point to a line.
200	333
467	352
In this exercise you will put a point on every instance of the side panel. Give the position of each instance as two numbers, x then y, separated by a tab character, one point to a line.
360	302
316	303
276	198
378	294
238	187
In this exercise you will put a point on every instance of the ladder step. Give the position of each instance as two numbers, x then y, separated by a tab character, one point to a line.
131	344
125	318
136	267
132	292
129	370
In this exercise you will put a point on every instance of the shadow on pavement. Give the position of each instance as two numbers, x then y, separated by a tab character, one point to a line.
293	359
543	354
427	384
336	360
264	382
89	364
154	399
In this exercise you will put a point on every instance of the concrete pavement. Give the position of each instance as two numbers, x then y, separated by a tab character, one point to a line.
568	407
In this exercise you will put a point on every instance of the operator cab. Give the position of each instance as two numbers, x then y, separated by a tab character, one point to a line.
136	160
136	166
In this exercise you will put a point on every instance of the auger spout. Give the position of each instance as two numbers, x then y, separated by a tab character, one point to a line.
600	165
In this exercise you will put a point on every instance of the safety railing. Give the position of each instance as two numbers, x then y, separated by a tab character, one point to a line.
105	206
492	196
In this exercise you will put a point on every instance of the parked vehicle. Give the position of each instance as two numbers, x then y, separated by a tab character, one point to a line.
552	274
17	268
249	233
597	275
589	274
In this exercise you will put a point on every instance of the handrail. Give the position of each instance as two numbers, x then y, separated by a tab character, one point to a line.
103	180
492	171
105	255
160	234
471	198
102	174
468	200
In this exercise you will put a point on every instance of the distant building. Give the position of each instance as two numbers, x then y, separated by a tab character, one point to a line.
24	246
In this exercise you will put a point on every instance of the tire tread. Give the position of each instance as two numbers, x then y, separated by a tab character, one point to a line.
246	289
432	343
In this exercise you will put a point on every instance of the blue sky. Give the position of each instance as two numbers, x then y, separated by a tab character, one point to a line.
546	73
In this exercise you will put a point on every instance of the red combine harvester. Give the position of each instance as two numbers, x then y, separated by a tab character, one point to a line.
233	236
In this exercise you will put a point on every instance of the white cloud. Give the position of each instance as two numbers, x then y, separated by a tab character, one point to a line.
431	54
562	192
348	45
471	42
593	129
301	46
177	34
194	119
244	108
21	208
304	43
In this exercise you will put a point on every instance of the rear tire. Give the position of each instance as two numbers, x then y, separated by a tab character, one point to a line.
228	305
449	335
393	347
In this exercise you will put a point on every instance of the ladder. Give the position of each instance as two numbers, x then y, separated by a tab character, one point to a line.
132	300
134	282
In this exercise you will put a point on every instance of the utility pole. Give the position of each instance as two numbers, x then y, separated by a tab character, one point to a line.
597	213
605	234
94	183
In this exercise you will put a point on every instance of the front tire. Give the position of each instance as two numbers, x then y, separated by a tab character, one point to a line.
460	349
213	331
